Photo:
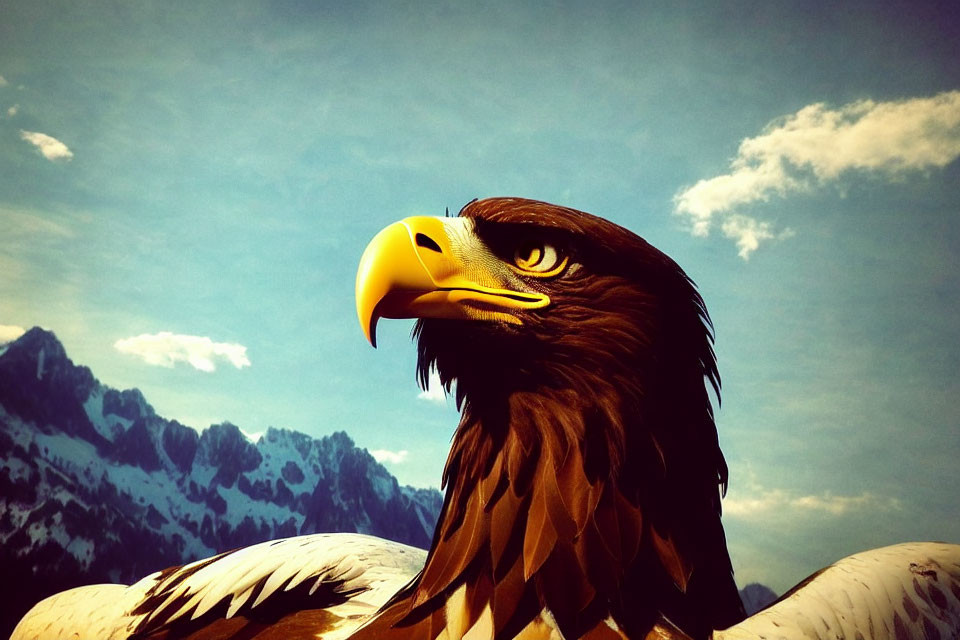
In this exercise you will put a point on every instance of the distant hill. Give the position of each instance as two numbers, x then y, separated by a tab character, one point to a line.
96	487
756	596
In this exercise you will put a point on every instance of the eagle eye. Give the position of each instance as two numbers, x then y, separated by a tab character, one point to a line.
538	259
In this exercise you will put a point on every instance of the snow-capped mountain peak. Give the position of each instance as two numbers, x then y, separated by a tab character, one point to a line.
95	486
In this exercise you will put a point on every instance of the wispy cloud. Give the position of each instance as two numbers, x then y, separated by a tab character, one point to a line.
9	333
816	145
434	392
12	111
773	500
3	81
51	148
392	457
166	349
23	222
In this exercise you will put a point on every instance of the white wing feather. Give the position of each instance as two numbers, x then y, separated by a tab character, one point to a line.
907	590
377	566
93	611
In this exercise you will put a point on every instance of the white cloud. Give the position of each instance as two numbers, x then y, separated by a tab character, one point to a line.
12	111
816	145
749	232
51	148
434	392
9	333
3	81
393	457
773	500
165	349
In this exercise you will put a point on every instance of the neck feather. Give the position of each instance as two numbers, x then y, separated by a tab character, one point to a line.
592	497
532	517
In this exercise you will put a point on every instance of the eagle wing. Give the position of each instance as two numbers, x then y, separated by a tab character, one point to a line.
342	578
909	590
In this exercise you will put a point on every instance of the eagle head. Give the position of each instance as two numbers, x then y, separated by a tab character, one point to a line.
580	354
520	294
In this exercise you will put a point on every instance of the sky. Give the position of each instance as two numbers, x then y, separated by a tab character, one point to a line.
186	189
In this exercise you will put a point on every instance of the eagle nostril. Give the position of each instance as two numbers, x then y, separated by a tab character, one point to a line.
427	242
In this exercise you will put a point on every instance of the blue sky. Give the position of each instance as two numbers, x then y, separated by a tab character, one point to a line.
186	189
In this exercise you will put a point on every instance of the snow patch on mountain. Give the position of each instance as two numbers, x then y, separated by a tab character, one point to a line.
93	407
40	357
108	424
82	549
242	507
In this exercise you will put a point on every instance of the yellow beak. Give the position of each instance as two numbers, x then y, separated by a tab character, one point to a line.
424	267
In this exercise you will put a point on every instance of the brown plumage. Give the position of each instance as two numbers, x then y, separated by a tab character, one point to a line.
585	475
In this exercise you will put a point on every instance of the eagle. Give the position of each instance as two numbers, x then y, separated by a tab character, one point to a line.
582	491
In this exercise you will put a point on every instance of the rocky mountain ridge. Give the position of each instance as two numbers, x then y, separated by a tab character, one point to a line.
96	487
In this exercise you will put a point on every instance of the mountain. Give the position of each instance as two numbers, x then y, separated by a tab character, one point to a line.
96	487
756	596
